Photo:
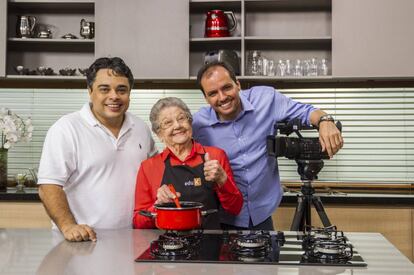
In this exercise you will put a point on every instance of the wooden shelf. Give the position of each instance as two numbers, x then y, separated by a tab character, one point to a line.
265	5
297	39
51	40
197	6
45	77
214	39
36	6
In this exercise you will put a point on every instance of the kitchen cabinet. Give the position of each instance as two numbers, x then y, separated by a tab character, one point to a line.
164	40
151	36
60	17
372	38
281	30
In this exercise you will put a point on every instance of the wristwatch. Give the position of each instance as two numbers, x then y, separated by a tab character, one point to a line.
326	118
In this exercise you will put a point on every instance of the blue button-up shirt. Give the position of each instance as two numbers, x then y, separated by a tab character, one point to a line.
244	140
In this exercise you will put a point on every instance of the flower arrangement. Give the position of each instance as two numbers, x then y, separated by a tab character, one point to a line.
13	129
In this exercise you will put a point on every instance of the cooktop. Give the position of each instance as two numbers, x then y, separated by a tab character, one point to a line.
316	247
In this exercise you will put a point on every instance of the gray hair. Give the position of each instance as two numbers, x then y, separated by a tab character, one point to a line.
161	105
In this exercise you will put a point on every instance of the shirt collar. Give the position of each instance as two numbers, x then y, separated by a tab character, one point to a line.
246	107
196	149
89	117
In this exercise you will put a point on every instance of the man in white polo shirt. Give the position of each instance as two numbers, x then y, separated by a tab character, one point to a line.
90	158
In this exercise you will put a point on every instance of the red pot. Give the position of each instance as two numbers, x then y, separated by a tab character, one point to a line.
169	217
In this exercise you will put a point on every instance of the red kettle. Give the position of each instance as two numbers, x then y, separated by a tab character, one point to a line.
217	23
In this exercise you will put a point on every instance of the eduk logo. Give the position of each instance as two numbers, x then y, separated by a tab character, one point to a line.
189	183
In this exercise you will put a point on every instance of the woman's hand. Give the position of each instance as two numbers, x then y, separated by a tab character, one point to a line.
213	171
164	194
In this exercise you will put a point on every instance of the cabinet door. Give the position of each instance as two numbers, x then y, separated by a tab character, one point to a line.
151	36
372	38
3	36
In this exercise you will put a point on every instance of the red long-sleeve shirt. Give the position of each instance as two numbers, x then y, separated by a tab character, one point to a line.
150	176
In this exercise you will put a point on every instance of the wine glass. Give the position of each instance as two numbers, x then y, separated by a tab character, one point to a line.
20	179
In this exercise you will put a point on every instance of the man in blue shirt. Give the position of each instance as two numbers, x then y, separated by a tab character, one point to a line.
239	122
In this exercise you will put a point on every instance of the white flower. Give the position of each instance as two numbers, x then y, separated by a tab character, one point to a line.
13	128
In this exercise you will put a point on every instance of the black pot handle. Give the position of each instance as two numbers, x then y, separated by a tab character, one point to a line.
208	212
147	213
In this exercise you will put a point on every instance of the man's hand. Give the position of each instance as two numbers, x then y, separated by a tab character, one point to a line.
330	138
213	171
79	233
57	206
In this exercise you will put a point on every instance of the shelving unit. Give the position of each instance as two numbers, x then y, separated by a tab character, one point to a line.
61	17
199	44
294	29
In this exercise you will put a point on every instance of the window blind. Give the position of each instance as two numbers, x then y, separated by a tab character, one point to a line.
378	127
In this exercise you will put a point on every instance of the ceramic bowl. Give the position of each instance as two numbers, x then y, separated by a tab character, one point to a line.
67	71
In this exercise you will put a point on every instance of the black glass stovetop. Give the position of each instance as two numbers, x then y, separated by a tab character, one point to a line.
226	247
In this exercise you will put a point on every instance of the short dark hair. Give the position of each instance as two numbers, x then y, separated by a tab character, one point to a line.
116	64
207	66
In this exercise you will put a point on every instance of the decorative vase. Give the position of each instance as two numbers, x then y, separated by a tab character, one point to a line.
3	169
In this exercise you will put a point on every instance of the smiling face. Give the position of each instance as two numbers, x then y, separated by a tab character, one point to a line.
221	92
110	97
175	127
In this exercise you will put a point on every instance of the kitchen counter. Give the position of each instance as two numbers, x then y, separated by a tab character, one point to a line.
31	194
32	251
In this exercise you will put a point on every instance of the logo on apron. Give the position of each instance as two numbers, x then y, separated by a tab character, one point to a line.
197	181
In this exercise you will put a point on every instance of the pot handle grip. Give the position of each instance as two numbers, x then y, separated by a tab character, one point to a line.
208	212
147	213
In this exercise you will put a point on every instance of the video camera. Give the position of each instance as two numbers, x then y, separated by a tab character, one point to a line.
303	148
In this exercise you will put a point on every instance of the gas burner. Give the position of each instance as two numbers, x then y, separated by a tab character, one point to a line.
252	241
186	237
176	245
171	244
166	250
253	246
314	235
329	252
323	233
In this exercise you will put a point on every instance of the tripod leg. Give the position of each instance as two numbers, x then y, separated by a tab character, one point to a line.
298	218
321	211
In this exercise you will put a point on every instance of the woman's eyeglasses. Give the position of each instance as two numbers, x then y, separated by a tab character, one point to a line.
168	123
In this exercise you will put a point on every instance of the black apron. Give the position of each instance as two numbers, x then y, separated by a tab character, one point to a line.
192	185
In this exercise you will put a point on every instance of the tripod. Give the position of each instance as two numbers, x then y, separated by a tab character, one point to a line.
308	170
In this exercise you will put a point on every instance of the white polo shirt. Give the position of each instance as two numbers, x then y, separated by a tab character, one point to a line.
97	171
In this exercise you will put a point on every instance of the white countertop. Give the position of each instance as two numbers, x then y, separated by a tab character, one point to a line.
42	251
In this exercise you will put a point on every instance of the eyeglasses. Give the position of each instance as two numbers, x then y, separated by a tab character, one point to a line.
168	123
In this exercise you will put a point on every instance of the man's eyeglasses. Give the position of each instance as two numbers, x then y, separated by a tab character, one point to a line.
168	123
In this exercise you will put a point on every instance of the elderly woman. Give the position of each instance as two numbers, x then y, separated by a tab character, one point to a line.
198	173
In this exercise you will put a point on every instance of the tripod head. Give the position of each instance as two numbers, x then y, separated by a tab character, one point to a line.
309	169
